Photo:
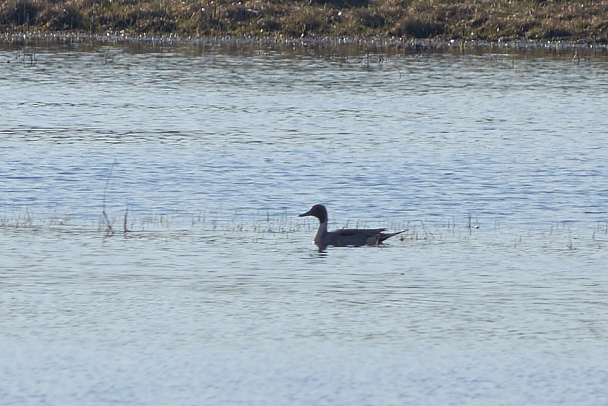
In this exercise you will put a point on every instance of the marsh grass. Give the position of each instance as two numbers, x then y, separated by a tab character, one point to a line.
488	20
109	229
216	227
22	219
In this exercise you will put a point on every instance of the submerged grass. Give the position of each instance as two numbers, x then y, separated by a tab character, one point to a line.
487	20
217	227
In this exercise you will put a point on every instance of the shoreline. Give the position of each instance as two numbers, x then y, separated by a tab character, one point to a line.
34	38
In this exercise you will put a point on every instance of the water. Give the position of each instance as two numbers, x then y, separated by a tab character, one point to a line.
204	155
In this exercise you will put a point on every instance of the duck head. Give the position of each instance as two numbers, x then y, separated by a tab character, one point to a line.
319	211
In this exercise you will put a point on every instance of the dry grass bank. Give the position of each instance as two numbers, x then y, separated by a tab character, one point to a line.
580	21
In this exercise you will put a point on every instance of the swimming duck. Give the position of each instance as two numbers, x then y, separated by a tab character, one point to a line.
344	237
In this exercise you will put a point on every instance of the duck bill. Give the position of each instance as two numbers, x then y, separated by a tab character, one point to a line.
305	214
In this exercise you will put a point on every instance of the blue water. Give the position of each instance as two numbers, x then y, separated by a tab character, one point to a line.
210	291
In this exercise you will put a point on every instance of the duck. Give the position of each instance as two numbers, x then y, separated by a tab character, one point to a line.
344	237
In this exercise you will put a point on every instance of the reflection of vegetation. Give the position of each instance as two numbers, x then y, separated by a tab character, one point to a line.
442	19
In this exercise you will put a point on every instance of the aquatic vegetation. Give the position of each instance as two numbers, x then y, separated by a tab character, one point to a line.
580	21
17	219
461	233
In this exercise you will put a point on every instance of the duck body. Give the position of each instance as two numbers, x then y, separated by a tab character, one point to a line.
344	237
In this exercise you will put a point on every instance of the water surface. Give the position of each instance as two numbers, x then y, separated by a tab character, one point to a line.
496	163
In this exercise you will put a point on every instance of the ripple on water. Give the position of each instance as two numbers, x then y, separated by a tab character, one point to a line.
495	164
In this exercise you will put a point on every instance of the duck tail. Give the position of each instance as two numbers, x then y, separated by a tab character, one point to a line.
386	236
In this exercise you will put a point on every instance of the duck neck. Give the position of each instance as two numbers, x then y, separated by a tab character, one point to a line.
321	233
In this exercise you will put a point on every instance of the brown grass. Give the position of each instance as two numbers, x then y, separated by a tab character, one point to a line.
490	20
